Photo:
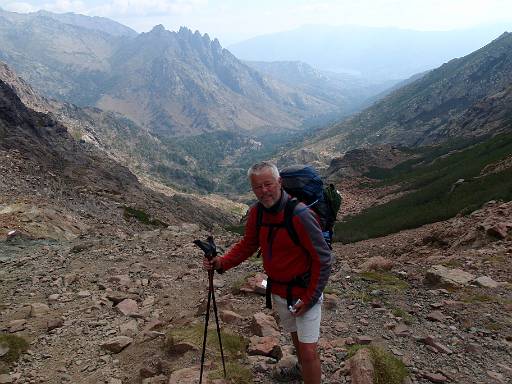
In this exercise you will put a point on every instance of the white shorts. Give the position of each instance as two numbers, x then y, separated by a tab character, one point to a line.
307	326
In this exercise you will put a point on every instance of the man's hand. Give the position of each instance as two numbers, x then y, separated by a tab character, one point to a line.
300	308
214	263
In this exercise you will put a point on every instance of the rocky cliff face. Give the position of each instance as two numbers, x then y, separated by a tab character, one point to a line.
357	162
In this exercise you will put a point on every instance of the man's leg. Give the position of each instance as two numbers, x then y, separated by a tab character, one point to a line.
310	362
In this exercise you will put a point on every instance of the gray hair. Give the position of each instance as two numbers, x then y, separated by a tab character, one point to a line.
261	166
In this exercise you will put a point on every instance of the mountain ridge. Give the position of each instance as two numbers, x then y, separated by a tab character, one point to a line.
171	83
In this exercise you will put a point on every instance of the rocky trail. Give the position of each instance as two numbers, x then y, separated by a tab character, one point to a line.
112	305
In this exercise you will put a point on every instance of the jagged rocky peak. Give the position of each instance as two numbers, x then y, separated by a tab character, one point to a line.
196	38
158	30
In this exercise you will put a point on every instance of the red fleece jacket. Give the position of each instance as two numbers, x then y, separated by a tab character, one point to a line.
282	259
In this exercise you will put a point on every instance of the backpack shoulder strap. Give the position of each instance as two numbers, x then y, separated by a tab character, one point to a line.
259	218
289	209
288	220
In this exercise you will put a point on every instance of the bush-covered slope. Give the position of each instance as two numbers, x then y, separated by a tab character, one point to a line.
437	191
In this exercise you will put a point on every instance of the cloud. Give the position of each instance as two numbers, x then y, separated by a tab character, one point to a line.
62	6
145	8
19	7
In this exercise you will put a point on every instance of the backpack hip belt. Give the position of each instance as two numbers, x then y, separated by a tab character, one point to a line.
301	281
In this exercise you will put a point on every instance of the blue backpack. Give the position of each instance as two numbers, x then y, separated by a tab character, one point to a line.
304	184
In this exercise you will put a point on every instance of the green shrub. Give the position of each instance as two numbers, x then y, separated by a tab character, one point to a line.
239	283
385	280
238	229
17	346
388	369
236	373
406	316
142	216
234	346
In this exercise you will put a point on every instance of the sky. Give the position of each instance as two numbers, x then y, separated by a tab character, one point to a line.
235	20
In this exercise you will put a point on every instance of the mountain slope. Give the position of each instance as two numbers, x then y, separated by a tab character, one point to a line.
428	110
347	91
48	174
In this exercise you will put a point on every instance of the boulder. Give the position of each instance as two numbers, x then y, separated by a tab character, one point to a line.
54	324
499	230
486	282
255	284
128	307
330	301
17	325
435	377
160	379
38	309
265	346
439	275
130	328
264	325
6	379
231	317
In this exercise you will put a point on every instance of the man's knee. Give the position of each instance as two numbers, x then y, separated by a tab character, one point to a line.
308	352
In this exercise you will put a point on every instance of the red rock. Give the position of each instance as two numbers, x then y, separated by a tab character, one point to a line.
402	330
436	316
255	284
431	341
377	263
330	301
435	377
264	325
230	317
499	230
265	346
128	307
186	376
363	340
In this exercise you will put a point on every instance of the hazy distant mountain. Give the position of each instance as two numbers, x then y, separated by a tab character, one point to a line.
90	22
182	83
464	97
61	60
348	91
376	53
169	83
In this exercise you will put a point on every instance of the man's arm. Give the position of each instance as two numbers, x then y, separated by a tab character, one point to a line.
245	248
311	238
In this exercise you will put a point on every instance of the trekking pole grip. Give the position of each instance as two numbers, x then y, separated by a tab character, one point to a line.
208	247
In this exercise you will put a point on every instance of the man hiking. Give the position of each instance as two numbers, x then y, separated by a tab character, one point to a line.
297	273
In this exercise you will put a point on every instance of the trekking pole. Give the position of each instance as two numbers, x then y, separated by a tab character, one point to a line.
210	251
